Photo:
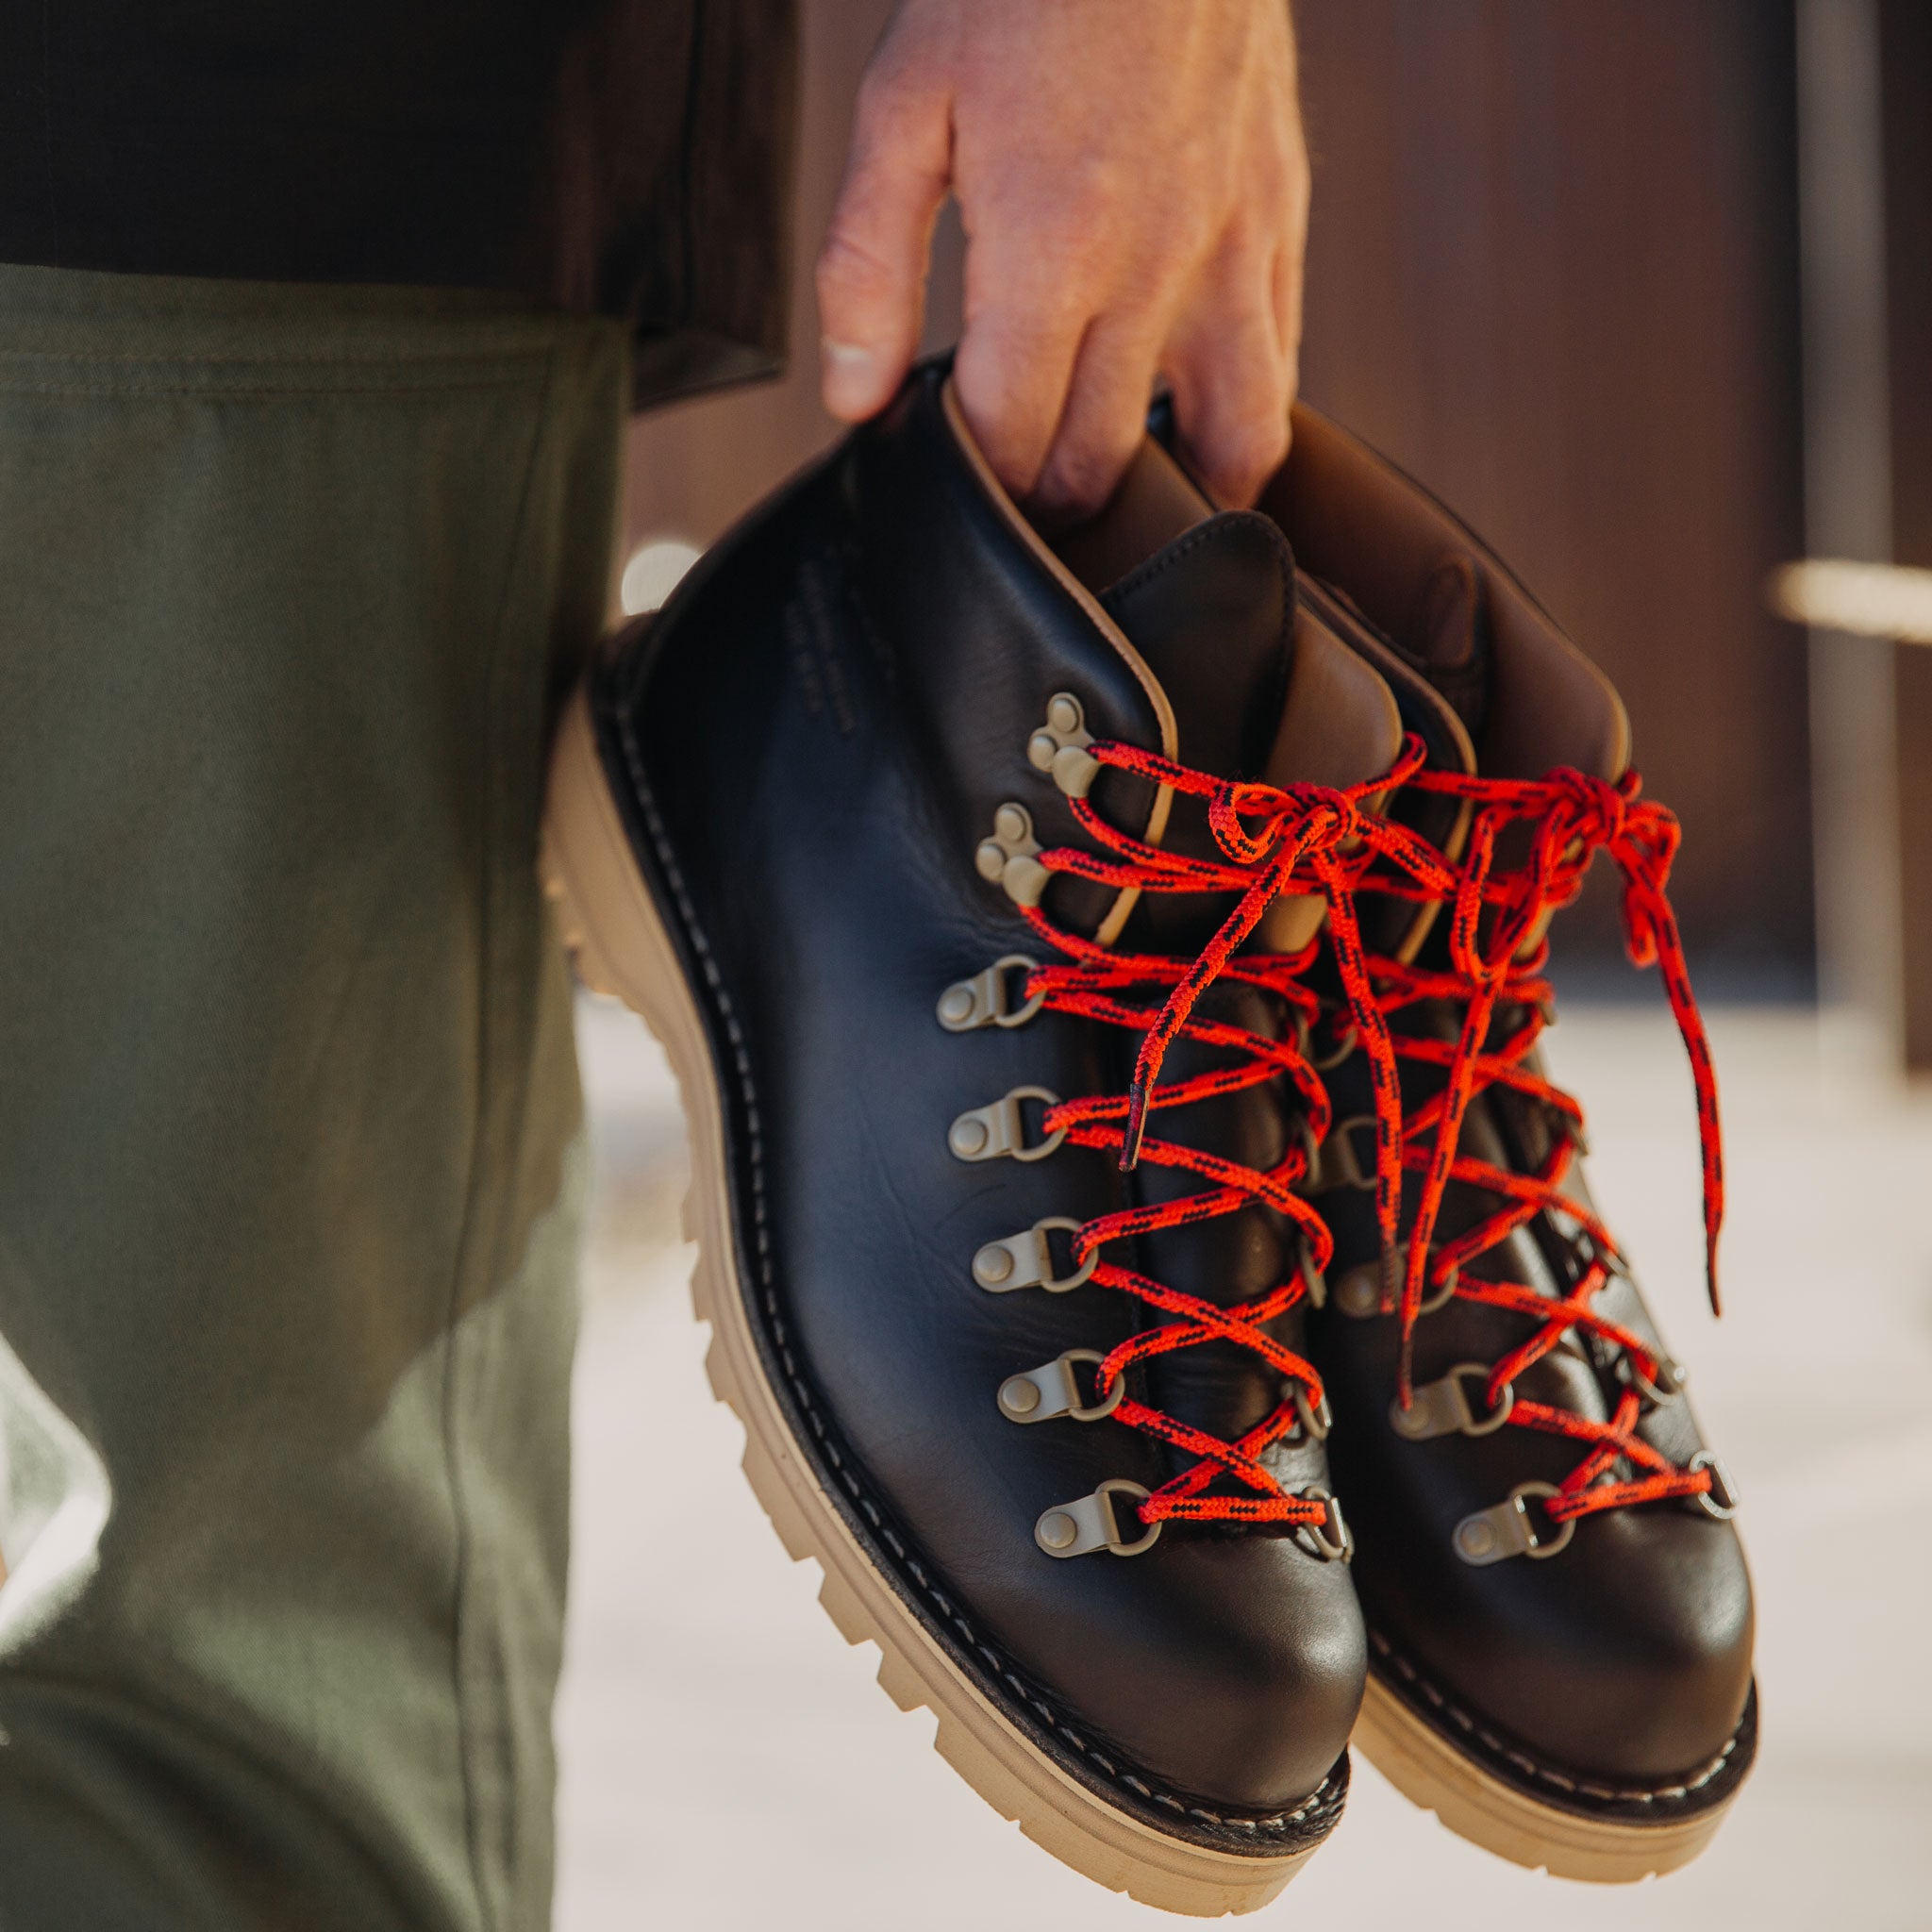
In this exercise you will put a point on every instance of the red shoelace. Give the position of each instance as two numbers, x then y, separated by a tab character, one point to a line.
1314	839
1303	840
1496	959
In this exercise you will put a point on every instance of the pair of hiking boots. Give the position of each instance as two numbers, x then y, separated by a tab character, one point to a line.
1152	1268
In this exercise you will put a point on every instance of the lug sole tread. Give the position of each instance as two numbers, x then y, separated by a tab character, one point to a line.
1466	1799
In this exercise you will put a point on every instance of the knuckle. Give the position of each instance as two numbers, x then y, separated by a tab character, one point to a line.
1243	454
1248	246
1004	430
1093	190
1079	223
1081	477
1260	442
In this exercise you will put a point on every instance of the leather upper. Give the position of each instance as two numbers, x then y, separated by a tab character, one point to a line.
1625	1658
810	743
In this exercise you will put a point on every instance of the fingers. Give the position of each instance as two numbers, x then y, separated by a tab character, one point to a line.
871	272
1291	269
1287	317
1065	319
1015	361
1153	217
1233	378
1103	419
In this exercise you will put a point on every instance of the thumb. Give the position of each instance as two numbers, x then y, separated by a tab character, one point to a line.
871	273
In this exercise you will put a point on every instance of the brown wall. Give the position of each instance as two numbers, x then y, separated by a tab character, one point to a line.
1553	271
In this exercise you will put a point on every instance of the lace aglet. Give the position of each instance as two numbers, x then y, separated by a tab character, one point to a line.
1136	1128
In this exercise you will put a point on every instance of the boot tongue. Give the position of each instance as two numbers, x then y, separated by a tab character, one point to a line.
1260	689
1213	616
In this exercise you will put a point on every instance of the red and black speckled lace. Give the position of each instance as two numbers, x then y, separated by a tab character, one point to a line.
1497	956
1296	841
1302	839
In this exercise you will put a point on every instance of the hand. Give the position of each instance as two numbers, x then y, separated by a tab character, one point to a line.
1134	186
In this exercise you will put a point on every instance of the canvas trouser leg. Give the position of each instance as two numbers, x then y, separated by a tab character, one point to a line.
290	579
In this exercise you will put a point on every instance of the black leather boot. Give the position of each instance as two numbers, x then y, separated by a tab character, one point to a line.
902	832
1558	1611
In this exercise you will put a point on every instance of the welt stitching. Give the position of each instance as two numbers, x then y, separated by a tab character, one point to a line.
1674	1793
935	1598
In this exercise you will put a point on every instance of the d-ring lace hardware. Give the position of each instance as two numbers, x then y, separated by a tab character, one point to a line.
1588	1245
1314	1283
1442	1409
1445	1289
1088	1523
1010	858
997	1131
1346	1041
1270	841
1039	1395
1328	1537
1059	746
1316	1418
1339	1163
1663	1382
1024	1260
985	1000
1507	1529
1721	1499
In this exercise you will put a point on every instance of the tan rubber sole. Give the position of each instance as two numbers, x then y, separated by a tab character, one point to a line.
611	925
1429	1771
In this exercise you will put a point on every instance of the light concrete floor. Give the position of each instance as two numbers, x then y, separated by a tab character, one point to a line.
728	1763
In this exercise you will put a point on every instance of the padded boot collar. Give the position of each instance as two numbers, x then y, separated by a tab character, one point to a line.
1421	578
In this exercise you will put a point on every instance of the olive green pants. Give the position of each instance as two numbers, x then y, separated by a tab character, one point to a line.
290	579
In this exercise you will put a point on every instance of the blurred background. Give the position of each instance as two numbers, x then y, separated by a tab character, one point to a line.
1645	292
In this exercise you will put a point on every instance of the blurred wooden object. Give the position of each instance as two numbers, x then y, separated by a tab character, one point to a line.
1848	508
1905	60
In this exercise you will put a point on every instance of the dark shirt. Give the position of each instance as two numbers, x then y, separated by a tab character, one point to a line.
628	157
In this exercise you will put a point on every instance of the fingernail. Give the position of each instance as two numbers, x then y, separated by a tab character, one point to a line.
848	372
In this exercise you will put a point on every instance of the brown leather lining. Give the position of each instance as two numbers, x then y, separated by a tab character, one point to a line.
1354	521
1153	503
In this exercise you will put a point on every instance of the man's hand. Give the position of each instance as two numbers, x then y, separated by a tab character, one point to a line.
1135	190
